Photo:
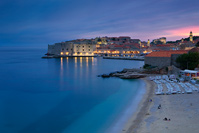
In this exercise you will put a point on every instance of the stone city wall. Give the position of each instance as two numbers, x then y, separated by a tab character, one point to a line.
160	62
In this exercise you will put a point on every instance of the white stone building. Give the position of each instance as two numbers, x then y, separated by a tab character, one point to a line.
72	48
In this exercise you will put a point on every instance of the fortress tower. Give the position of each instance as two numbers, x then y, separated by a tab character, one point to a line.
191	36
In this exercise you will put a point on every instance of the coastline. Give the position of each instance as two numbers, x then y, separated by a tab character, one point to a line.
142	109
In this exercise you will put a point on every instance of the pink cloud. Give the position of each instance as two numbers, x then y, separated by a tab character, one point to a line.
171	35
183	32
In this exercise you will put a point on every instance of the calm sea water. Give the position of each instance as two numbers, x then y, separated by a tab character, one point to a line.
64	94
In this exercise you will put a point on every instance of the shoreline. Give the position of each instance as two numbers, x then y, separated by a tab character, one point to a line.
141	111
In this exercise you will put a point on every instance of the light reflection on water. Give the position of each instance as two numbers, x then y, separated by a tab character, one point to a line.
81	64
86	62
80	61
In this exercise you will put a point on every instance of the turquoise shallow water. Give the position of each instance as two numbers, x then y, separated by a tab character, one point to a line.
63	94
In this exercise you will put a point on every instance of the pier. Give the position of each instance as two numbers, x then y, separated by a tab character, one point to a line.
141	58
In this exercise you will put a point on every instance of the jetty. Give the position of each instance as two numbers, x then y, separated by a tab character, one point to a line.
141	58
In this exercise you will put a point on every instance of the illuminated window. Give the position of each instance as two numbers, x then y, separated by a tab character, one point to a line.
62	53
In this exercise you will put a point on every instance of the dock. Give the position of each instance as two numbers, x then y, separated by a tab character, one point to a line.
141	58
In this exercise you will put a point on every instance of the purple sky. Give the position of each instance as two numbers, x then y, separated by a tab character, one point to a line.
41	22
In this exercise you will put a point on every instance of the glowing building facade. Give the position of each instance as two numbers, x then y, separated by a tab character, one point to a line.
72	48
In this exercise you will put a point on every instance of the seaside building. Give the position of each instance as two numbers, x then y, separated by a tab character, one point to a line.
163	58
72	48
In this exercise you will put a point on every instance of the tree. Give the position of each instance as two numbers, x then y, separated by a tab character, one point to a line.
188	61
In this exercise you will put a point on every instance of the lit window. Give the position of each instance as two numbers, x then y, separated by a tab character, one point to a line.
62	53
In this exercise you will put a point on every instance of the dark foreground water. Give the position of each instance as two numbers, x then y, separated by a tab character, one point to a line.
64	94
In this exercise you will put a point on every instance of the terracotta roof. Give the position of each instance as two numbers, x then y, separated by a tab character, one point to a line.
166	53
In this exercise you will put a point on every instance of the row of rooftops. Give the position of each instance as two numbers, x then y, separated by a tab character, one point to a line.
127	39
170	52
125	42
166	53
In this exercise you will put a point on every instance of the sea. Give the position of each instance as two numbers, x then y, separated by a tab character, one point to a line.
64	95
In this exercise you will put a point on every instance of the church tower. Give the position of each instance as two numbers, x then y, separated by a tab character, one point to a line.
182	40
191	36
148	43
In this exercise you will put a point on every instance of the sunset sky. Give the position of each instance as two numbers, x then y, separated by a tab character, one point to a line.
41	22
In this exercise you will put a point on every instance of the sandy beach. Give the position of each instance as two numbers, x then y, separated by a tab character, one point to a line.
181	109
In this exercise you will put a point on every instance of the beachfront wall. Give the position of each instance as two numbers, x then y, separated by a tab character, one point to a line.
160	62
173	60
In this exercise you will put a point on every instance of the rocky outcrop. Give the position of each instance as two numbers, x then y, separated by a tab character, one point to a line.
124	75
134	73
